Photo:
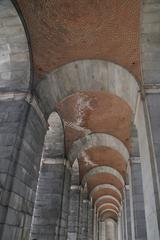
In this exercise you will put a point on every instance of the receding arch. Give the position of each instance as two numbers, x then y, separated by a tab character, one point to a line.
103	169
109	213
97	139
106	186
86	75
105	199
104	205
101	156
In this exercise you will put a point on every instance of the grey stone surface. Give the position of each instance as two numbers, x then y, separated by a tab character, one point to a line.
148	175
14	53
111	229
22	136
83	216
48	201
19	173
137	191
90	221
128	214
63	229
150	41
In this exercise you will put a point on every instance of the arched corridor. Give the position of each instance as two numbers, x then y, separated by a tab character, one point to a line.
79	120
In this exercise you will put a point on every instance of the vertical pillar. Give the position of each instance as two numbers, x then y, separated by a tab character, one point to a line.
83	222
151	82
138	200
119	230
73	218
90	221
153	107
111	229
49	221
137	193
148	173
102	231
63	225
95	230
123	223
21	138
128	212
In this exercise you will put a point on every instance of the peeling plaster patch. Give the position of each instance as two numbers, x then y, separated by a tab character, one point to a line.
87	160
83	103
76	127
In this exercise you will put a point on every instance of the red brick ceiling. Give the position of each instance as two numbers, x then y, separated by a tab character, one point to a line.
103	178
62	31
99	112
105	191
109	200
101	156
109	214
66	30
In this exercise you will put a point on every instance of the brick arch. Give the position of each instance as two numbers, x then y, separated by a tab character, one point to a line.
107	206
102	190
109	213
103	170
107	199
95	140
65	34
101	156
86	75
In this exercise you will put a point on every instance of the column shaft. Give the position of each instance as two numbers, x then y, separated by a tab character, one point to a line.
21	139
73	219
111	229
83	221
63	229
90	222
48	215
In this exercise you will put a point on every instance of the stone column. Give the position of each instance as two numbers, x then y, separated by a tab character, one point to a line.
95	225
148	173
137	193
119	230
63	230
150	61
83	222
50	212
123	226
73	218
111	229
21	139
153	110
90	221
128	212
102	231
138	200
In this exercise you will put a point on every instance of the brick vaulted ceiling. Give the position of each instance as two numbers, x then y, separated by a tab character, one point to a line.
62	31
95	111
